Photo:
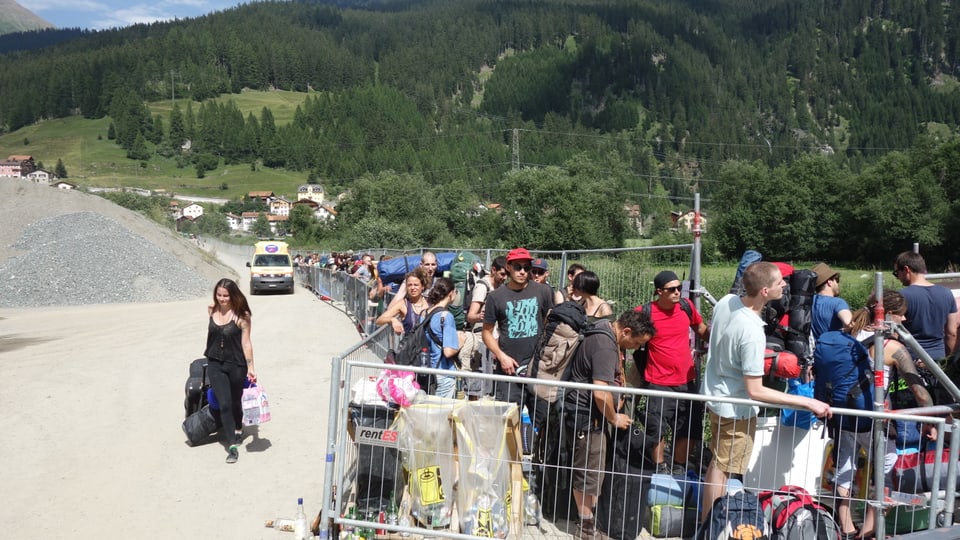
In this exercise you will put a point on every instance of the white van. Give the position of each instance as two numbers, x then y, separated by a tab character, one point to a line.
271	268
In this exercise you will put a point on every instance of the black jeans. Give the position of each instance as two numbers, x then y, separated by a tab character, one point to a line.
226	379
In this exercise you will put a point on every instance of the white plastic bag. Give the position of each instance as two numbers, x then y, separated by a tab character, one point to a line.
256	407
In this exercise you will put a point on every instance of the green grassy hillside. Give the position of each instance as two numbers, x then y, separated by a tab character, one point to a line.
93	160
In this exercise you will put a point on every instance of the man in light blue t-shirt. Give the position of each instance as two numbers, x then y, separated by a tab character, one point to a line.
735	369
830	312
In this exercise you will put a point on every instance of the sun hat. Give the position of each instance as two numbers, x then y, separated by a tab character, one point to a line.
824	273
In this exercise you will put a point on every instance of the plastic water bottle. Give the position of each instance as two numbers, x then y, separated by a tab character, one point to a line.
301	531
424	357
526	431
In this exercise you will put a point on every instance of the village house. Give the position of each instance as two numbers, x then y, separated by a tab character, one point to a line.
234	221
17	166
40	176
278	223
62	184
311	192
325	212
192	211
280	206
247	219
684	221
264	196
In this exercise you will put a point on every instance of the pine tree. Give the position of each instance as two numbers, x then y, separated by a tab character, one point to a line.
60	171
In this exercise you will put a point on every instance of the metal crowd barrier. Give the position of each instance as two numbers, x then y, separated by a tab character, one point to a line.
426	472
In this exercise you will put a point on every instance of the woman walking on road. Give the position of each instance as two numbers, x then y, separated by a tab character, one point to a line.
229	355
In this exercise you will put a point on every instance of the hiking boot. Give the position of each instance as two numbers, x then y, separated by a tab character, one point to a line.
588	530
233	454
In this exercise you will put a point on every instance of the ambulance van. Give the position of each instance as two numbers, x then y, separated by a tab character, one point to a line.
271	268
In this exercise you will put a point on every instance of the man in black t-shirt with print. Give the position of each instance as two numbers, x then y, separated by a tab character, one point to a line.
518	309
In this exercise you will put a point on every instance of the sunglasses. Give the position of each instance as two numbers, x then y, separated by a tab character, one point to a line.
538	272
521	267
671	289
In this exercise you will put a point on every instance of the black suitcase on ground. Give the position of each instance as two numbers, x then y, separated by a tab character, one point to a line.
195	389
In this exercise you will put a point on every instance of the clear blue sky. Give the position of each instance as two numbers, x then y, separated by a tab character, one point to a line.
103	14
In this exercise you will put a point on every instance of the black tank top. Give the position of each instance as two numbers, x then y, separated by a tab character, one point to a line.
224	343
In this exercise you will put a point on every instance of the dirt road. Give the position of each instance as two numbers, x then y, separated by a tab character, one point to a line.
92	446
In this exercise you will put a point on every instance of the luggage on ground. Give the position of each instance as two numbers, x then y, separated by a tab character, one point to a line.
735	515
794	515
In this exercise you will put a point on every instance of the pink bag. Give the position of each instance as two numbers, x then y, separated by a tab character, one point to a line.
256	408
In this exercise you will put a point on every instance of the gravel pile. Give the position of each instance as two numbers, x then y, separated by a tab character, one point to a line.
87	258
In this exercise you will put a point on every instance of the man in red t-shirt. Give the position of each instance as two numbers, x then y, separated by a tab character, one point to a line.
670	368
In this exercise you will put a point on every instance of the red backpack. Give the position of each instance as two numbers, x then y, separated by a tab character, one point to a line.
794	515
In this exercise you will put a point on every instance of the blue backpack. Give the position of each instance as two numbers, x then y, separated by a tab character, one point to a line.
735	516
843	378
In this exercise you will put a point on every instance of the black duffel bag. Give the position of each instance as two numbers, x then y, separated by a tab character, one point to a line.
199	426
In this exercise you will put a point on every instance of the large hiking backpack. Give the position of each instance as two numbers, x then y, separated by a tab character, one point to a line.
794	515
562	334
843	378
735	516
465	275
636	375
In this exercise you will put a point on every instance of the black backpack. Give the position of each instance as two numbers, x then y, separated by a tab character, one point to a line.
409	351
735	516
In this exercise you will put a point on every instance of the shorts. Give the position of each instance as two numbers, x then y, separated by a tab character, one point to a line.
589	461
732	442
847	446
684	416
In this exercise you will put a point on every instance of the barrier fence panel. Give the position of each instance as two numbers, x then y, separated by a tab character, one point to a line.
465	469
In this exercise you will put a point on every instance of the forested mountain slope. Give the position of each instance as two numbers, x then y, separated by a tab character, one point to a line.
740	78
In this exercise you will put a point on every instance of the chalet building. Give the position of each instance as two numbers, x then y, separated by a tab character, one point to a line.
17	166
307	202
40	176
247	219
264	196
192	211
61	184
313	192
684	221
277	223
280	207
325	212
234	221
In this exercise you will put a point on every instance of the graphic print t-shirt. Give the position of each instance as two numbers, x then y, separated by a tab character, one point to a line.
519	316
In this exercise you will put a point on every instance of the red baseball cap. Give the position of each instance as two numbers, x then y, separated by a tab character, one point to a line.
519	254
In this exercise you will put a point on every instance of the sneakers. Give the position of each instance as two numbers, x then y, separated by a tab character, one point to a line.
233	454
588	530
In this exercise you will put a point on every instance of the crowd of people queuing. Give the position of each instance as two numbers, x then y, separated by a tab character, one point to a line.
506	315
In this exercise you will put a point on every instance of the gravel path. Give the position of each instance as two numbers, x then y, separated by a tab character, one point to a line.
60	248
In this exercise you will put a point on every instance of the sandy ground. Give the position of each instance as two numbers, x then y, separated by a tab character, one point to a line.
93	401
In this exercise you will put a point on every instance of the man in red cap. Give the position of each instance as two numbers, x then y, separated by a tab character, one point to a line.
518	309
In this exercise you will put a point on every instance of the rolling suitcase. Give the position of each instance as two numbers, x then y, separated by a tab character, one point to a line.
195	389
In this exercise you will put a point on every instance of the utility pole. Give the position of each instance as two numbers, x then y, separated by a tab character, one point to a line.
173	99
516	149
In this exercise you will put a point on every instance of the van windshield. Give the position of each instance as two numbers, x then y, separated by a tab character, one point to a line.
271	260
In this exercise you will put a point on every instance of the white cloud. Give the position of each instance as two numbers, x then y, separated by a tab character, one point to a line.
72	5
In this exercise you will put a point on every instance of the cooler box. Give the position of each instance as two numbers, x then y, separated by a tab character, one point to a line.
785	455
